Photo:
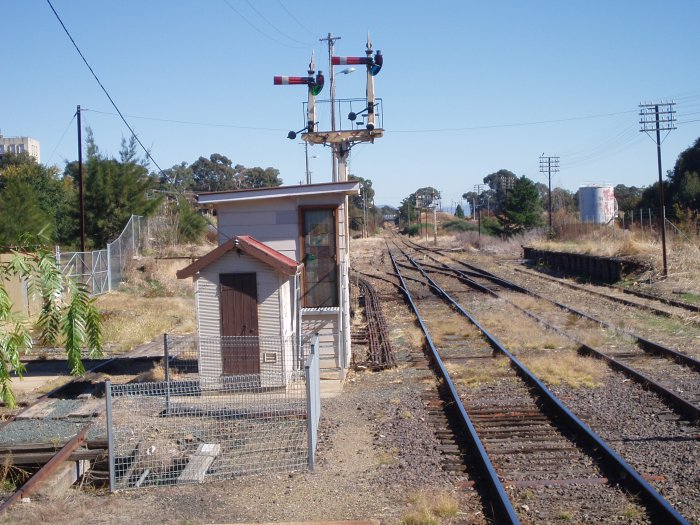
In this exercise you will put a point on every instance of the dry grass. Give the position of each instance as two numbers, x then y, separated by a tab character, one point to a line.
156	374
473	376
525	334
129	320
450	327
431	508
567	368
150	301
683	252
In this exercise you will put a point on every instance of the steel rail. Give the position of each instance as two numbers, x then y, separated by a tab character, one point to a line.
675	402
44	472
627	475
647	307
639	293
671	302
645	344
503	509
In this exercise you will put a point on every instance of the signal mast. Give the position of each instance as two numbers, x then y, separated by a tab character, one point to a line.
341	140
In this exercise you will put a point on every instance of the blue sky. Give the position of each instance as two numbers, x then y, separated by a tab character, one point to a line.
463	84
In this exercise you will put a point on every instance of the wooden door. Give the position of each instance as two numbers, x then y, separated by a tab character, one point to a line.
239	317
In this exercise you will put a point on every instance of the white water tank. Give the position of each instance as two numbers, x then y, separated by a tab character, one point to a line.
597	204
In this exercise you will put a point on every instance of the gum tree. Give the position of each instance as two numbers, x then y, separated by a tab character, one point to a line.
68	316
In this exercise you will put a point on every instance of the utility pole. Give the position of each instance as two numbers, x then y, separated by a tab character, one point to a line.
365	232
505	183
434	219
549	165
658	117
477	189
80	182
331	43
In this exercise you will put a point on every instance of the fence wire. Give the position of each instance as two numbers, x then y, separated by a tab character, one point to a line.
103	270
191	429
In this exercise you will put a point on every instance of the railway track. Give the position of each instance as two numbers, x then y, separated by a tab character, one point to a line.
532	449
380	354
673	375
650	303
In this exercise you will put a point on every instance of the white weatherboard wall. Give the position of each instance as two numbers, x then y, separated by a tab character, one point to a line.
274	318
275	222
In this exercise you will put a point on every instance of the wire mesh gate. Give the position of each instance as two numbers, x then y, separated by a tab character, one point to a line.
177	432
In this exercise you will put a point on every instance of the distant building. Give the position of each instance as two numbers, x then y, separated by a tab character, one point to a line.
20	145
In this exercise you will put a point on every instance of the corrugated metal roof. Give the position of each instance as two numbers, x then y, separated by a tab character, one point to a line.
250	246
325	188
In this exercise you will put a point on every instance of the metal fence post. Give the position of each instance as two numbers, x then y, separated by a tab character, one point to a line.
110	434
109	267
166	356
311	371
133	237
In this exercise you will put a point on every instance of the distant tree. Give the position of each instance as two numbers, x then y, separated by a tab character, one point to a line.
427	196
214	174
499	183
473	201
459	212
543	191
114	190
180	177
32	198
68	316
21	212
258	177
683	179
524	209
407	210
563	199
217	173
628	197
388	211
357	203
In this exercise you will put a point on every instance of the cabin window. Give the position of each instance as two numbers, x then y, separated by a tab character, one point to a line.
319	257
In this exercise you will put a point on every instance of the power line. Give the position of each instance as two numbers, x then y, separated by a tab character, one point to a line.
60	141
296	19
260	30
274	26
189	122
133	133
513	125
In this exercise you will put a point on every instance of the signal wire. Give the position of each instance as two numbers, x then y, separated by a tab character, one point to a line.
133	133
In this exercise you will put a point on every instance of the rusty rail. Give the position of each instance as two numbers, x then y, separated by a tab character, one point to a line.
44	472
381	354
628	477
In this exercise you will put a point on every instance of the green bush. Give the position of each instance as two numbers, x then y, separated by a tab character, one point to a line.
459	226
491	226
411	230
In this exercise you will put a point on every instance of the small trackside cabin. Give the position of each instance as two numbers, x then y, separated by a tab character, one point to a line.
306	223
247	311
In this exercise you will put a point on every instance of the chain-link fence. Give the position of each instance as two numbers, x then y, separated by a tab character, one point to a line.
103	270
187	430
